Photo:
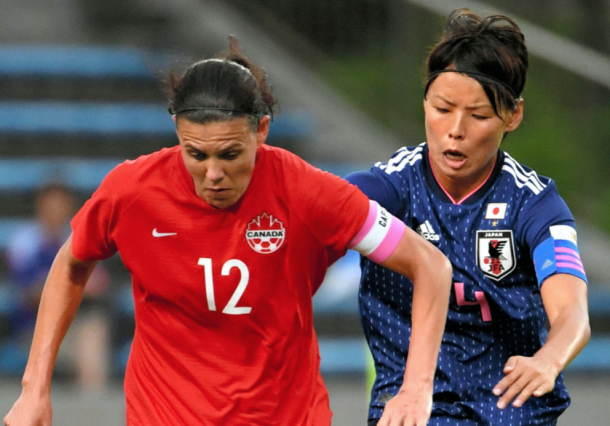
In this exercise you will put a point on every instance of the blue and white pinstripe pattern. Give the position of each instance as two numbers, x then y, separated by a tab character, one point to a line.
474	351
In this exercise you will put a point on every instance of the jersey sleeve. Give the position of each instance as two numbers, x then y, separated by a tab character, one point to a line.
386	182
333	209
94	226
377	188
550	233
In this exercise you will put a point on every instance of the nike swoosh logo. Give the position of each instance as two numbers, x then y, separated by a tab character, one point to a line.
163	234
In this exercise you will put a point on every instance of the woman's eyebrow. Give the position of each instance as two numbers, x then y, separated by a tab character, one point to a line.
471	107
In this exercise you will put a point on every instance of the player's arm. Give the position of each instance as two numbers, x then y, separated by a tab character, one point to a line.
563	288
565	301
61	297
386	240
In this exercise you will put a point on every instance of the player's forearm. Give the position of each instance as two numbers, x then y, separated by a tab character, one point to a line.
568	335
431	288
60	300
430	271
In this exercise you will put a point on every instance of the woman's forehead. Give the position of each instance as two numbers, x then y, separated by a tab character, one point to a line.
217	135
458	88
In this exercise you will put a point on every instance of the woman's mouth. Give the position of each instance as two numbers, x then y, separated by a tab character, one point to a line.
454	159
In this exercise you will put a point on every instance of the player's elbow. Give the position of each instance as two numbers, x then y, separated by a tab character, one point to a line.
439	265
444	266
586	333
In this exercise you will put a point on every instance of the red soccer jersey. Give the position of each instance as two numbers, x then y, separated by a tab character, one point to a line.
224	321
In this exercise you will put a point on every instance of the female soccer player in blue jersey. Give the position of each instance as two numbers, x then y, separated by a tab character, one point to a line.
509	236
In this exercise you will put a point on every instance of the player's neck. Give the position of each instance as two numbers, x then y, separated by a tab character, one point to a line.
459	190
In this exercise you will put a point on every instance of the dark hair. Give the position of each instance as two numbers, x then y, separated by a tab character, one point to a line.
223	88
491	50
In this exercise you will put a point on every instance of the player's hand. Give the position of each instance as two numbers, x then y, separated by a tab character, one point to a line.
410	407
525	376
30	410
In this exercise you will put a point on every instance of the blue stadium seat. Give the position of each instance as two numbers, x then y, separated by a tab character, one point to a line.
28	174
79	62
119	119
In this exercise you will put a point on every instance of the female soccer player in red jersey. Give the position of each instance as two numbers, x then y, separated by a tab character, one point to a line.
227	240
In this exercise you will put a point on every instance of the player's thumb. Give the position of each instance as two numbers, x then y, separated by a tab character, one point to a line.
510	364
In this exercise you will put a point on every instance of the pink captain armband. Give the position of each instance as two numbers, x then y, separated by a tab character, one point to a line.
379	236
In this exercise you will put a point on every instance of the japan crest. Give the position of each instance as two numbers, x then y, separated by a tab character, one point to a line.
496	253
265	234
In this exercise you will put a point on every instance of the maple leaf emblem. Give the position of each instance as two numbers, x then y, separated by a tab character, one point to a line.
265	234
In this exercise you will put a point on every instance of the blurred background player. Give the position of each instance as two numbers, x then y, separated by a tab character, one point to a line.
30	254
510	237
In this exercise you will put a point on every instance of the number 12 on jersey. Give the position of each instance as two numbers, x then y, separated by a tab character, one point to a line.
231	308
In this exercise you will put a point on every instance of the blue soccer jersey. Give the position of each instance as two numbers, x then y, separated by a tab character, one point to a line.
503	242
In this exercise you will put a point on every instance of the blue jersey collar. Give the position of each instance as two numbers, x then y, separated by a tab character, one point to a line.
474	198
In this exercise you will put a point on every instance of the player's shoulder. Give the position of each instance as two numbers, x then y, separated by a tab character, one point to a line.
287	165
146	167
280	157
521	178
406	159
133	177
535	195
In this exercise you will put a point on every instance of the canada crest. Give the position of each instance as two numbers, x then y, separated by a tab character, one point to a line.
265	234
496	253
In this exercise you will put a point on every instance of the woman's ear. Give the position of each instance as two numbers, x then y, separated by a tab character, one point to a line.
515	117
263	130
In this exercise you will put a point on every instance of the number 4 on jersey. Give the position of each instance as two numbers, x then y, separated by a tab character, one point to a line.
231	308
479	296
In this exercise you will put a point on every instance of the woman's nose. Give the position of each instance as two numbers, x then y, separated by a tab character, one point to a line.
457	130
214	171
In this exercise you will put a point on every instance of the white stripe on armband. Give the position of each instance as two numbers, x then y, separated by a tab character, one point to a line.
380	234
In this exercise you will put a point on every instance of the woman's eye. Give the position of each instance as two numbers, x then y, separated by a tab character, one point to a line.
480	117
442	110
230	155
198	155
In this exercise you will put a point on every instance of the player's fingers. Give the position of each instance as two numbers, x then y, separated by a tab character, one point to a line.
527	391
384	420
396	421
422	421
512	391
511	364
544	388
506	383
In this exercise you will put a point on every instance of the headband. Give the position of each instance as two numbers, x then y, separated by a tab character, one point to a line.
434	74
172	111
227	61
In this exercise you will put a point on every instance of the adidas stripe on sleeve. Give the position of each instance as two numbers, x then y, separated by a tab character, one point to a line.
558	254
379	236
